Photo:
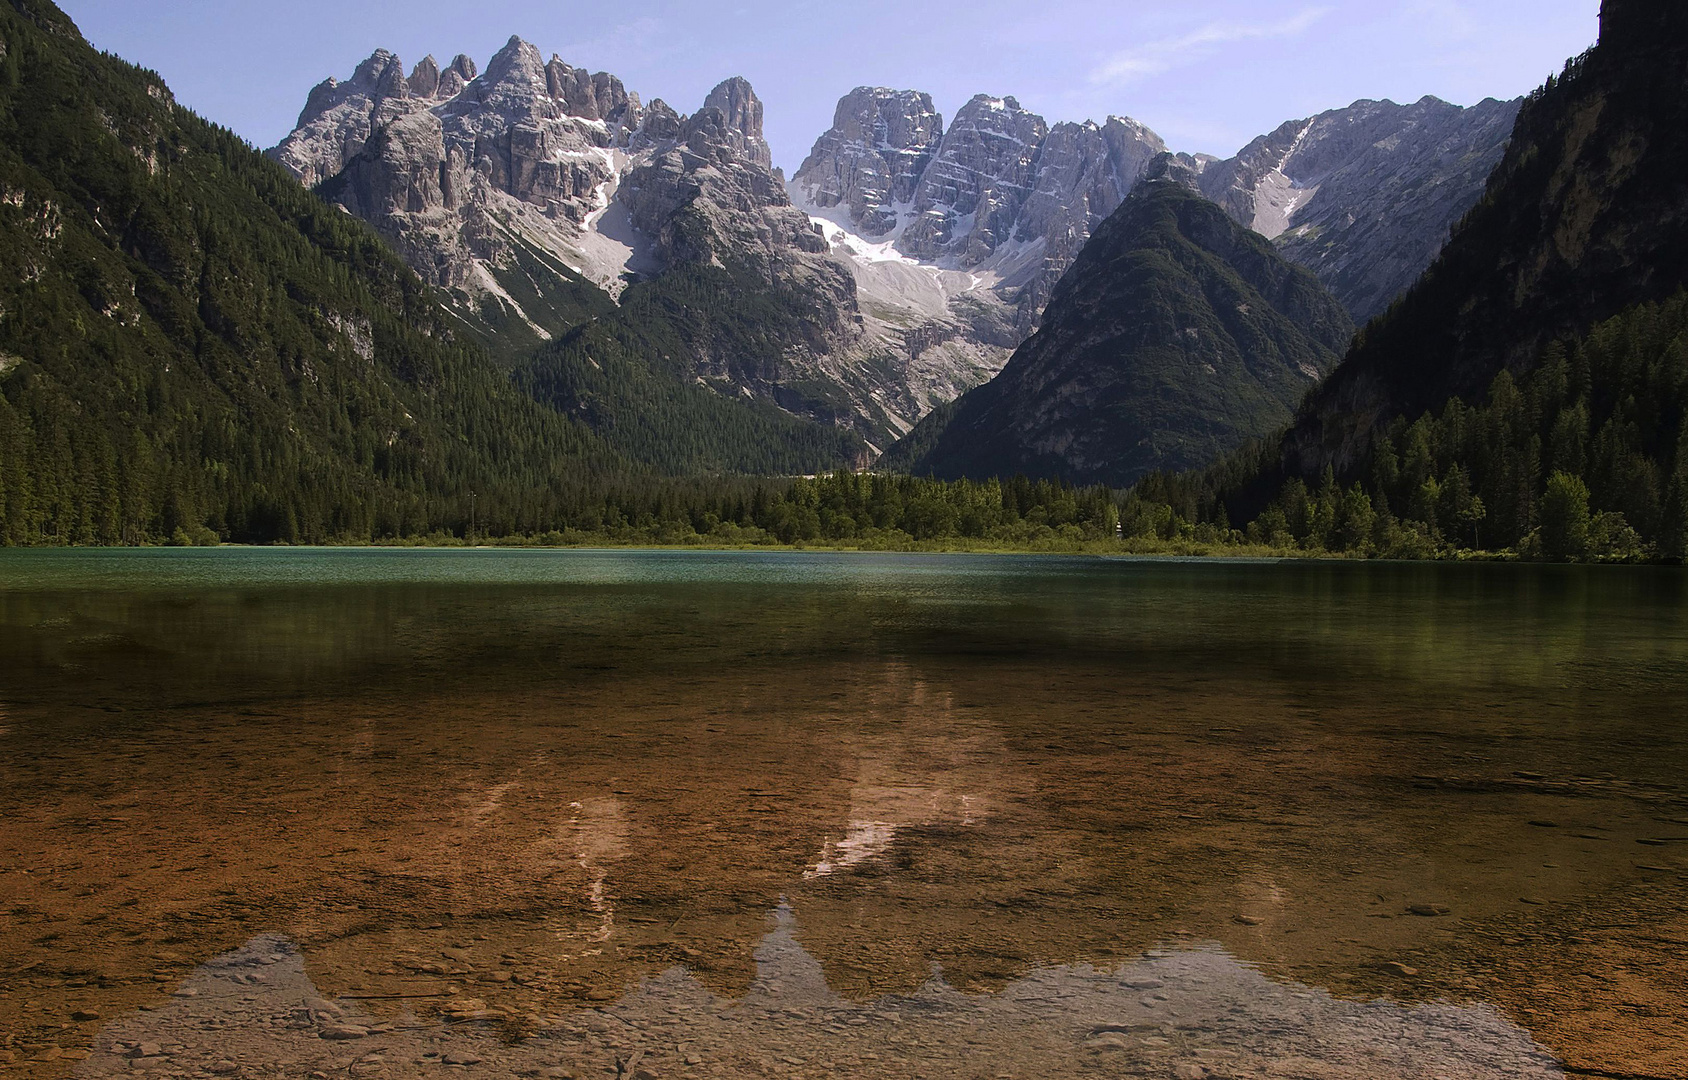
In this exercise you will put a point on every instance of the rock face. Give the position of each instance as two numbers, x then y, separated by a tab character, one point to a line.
1365	196
524	189
1000	191
478	178
956	236
872	158
1176	335
1586	216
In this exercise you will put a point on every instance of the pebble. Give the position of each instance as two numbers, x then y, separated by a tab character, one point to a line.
342	1031
83	1016
1246	920
1428	910
460	1057
1395	967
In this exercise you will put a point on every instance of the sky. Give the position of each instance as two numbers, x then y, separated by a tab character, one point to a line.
1208	75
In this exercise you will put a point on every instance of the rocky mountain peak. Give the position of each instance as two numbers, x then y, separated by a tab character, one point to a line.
591	97
424	79
379	74
515	78
739	102
972	192
495	188
958	233
661	123
872	158
741	110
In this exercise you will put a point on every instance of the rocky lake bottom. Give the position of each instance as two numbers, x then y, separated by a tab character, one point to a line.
659	815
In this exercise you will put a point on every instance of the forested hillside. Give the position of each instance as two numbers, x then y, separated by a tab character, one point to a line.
1529	393
630	375
193	346
1586	216
1586	455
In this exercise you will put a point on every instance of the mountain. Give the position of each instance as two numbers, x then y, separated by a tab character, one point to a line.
538	196
957	236
193	346
1530	392
1176	335
1365	196
1587	215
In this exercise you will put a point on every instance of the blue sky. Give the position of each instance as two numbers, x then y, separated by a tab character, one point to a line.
1208	75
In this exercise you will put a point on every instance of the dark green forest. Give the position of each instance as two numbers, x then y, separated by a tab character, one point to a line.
627	376
1586	456
843	508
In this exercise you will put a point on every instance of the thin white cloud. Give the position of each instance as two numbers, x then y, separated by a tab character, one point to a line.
1161	56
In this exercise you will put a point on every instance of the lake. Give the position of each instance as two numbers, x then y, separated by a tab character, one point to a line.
649	815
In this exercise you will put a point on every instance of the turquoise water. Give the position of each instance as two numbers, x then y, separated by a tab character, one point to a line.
320	613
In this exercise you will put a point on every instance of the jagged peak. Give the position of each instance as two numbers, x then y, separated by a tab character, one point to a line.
1115	120
739	103
890	92
424	79
378	63
517	60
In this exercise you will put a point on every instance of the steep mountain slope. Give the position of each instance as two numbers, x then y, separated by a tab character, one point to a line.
1364	196
1586	216
1175	335
192	345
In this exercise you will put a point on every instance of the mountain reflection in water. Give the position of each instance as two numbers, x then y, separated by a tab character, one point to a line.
536	808
1193	1012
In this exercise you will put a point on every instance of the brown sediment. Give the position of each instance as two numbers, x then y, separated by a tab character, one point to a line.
455	856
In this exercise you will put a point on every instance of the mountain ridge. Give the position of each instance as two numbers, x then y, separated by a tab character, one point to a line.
1174	336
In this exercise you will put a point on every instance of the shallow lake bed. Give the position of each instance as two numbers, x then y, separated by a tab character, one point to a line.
728	814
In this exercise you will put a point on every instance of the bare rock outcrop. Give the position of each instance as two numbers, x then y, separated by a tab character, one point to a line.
1365	196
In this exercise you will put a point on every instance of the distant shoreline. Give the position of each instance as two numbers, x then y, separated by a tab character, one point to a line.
1133	548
